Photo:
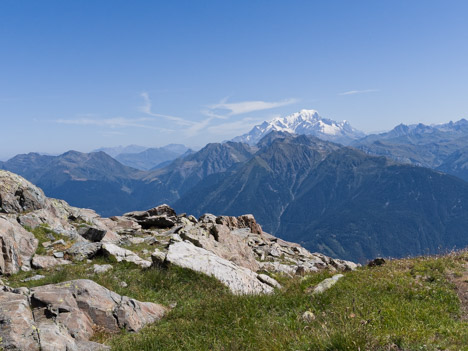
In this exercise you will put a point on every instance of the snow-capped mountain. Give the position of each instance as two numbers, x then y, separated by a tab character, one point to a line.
304	122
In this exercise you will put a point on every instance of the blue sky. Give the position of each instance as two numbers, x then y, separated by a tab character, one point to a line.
84	74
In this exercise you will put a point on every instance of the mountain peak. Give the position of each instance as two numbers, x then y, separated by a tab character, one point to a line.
307	122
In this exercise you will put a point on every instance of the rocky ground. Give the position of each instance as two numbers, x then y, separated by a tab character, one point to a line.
39	233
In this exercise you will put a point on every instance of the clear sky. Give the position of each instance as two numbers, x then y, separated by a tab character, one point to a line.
84	74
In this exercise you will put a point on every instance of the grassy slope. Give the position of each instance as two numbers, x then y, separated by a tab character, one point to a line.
403	305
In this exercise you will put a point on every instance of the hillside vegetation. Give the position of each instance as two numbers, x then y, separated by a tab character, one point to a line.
408	304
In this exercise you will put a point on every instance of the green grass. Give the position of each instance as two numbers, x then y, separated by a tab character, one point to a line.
44	234
403	305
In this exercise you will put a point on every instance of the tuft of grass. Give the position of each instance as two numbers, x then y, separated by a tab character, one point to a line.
44	234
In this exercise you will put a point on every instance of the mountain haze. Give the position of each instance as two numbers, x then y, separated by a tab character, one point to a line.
152	157
117	150
339	200
333	199
93	180
442	146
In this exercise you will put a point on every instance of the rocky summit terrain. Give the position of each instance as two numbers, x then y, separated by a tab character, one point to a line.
40	236
336	200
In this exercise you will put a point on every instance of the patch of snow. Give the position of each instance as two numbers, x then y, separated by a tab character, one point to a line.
304	122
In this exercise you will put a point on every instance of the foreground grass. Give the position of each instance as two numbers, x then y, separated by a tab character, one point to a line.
403	305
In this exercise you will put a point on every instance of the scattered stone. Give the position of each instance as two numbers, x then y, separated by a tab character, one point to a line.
275	250
238	279
136	240
123	284
101	268
47	244
192	219
379	261
91	233
151	240
207	218
125	225
161	216
327	284
34	278
308	317
175	238
58	242
158	257
121	254
58	254
276	267
83	250
249	221
44	262
269	280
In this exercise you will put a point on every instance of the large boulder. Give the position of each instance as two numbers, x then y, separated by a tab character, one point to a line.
83	250
218	239
18	195
238	279
17	246
161	216
63	317
45	262
103	307
125	225
121	254
18	330
244	221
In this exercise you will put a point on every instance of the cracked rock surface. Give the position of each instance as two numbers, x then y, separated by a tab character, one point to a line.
63	316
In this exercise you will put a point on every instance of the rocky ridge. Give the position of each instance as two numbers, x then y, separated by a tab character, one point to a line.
233	250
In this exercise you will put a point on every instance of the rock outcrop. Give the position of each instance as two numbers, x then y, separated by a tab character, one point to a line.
18	195
238	279
17	246
121	254
159	217
64	316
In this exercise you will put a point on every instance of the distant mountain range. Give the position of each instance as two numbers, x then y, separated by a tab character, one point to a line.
443	147
146	158
117	150
153	158
307	122
338	200
93	180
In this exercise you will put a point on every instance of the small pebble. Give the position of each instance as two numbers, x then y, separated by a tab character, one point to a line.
58	254
33	278
308	316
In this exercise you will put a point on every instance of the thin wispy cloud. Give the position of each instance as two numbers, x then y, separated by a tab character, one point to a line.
117	122
221	112
147	109
235	127
355	92
112	133
197	127
224	108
